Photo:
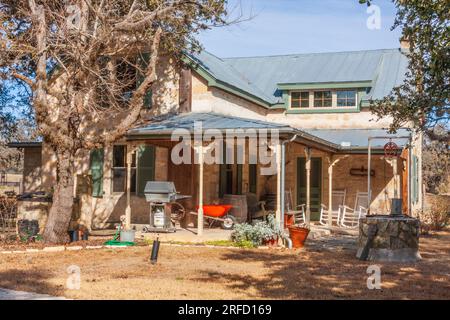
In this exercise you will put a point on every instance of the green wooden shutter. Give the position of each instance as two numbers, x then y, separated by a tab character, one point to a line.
96	168
148	98
252	177
145	166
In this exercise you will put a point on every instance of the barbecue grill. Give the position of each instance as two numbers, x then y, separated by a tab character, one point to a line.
162	195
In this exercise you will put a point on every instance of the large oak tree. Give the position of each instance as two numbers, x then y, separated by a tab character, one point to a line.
423	98
79	58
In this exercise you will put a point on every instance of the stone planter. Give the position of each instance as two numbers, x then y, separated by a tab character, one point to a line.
396	238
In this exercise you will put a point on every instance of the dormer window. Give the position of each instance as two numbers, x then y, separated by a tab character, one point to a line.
322	99
300	99
346	98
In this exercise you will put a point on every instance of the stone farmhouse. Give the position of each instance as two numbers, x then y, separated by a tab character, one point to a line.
317	103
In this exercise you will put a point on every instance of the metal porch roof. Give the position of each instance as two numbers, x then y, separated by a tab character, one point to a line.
358	138
166	125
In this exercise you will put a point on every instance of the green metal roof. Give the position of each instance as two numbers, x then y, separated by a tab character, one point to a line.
167	124
262	77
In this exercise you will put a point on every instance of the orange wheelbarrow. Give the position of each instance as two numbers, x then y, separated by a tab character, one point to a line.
219	212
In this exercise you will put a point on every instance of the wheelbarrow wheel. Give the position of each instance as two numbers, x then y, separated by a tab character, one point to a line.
228	222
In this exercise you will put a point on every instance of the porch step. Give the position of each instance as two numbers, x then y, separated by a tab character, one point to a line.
316	233
335	230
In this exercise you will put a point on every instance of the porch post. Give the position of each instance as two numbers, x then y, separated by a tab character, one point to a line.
330	192
279	191
200	192
331	164
130	151
308	185
396	178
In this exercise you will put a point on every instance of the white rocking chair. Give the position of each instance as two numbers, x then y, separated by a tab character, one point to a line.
350	217
298	212
338	200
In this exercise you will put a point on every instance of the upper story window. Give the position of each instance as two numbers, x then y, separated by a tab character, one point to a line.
323	99
346	98
300	99
312	99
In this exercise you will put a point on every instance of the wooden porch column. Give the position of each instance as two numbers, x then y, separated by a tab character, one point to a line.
130	150
394	164
279	177
200	220
308	185
330	194
331	164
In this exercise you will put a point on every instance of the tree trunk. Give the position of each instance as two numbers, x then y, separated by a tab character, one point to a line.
61	209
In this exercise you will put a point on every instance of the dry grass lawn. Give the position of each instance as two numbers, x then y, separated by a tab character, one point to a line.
220	273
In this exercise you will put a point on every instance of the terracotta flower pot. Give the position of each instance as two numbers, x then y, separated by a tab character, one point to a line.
272	242
298	236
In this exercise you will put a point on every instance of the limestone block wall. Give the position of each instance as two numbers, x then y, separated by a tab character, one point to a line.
48	167
211	99
32	171
363	120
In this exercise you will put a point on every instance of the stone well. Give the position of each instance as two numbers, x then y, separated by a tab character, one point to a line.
388	238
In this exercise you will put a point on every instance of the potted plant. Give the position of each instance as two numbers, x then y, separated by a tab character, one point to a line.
262	232
298	234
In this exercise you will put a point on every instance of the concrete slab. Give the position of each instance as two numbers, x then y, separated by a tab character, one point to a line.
188	235
6	294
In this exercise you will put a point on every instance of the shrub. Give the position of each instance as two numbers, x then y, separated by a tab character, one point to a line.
258	233
437	217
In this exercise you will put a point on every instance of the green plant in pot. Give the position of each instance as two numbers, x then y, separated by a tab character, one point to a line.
262	232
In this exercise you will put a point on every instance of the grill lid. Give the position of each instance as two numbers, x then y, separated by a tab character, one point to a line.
160	187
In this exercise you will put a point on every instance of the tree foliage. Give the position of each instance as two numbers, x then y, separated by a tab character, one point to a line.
423	98
81	61
436	162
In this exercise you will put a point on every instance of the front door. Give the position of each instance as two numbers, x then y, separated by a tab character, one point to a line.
316	185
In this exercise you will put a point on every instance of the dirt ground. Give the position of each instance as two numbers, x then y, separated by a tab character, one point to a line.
315	272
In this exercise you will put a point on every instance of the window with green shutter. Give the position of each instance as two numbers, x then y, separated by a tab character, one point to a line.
96	169
146	156
143	62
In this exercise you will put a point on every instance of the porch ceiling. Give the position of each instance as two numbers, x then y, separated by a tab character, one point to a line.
350	140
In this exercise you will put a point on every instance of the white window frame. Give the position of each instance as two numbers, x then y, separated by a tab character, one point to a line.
300	108
126	171
333	99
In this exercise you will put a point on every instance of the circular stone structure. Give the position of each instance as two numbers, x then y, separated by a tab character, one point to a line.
388	238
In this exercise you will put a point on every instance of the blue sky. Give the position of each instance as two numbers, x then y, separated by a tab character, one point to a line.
299	26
